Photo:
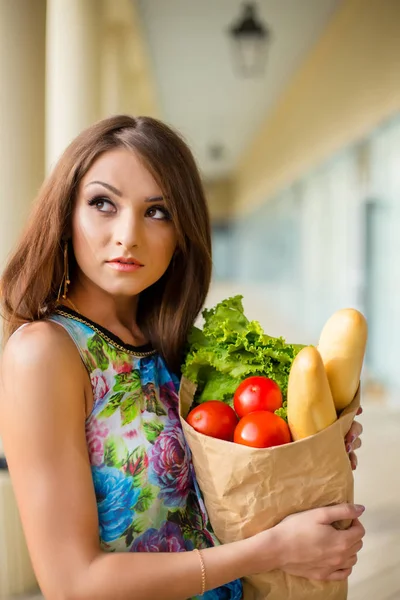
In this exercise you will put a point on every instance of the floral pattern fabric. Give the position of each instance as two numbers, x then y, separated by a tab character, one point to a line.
147	495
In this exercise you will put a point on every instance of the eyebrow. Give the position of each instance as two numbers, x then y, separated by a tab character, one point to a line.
109	187
117	192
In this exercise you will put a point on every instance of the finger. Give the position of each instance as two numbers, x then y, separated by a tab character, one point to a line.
330	514
360	409
350	562
356	548
354	445
356	429
339	575
357	523
353	534
354	432
319	574
353	460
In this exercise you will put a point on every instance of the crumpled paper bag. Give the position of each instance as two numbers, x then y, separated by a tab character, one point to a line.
247	490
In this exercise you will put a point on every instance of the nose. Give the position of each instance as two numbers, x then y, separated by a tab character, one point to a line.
128	230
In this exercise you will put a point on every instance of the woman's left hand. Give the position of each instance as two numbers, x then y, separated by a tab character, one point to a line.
353	441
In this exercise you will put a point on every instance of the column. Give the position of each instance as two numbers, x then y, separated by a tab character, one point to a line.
72	71
22	60
22	72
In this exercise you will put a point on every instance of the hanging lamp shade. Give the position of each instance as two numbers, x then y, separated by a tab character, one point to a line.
250	39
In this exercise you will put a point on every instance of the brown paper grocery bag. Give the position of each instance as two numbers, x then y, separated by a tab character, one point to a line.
247	490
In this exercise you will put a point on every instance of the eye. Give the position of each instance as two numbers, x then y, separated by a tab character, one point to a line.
102	204
159	213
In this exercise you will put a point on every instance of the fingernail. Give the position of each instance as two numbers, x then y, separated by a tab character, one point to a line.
348	448
359	411
359	507
353	437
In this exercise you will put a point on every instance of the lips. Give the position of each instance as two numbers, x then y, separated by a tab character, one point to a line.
124	264
126	261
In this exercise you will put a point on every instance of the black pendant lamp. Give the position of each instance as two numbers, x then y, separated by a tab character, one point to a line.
250	40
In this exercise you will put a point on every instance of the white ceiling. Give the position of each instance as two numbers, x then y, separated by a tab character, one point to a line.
198	89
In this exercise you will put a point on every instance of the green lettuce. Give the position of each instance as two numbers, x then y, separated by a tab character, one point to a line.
230	348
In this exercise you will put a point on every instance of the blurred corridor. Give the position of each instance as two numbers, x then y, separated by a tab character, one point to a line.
300	161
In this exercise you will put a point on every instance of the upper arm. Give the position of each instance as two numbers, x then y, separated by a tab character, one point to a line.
42	425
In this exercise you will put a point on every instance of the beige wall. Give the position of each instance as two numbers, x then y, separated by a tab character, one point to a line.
219	195
347	86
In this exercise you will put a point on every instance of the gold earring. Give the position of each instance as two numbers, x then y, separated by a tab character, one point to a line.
65	279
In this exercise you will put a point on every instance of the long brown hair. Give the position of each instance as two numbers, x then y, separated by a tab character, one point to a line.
167	309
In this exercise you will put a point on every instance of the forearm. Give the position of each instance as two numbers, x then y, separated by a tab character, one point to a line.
170	576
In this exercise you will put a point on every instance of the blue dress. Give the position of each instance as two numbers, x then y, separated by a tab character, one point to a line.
147	495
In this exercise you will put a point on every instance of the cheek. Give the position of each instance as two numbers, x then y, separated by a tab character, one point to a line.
87	236
166	247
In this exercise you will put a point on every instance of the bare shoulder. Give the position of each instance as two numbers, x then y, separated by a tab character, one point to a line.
39	345
39	363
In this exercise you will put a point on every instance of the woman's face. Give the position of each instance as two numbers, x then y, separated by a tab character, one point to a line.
122	234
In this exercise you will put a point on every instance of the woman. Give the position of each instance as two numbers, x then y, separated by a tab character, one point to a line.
98	299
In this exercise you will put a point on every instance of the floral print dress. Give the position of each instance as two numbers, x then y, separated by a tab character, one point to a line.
147	495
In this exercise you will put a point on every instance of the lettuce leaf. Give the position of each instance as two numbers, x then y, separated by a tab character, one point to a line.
230	348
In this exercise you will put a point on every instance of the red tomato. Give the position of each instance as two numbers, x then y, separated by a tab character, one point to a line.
262	429
214	418
257	393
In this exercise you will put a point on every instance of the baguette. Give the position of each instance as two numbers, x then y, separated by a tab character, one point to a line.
342	347
310	406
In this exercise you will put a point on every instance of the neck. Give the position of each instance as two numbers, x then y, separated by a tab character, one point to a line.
117	314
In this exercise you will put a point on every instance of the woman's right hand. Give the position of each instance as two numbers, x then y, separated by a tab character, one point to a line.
307	544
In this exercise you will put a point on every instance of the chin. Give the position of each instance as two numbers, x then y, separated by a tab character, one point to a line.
125	291
128	289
